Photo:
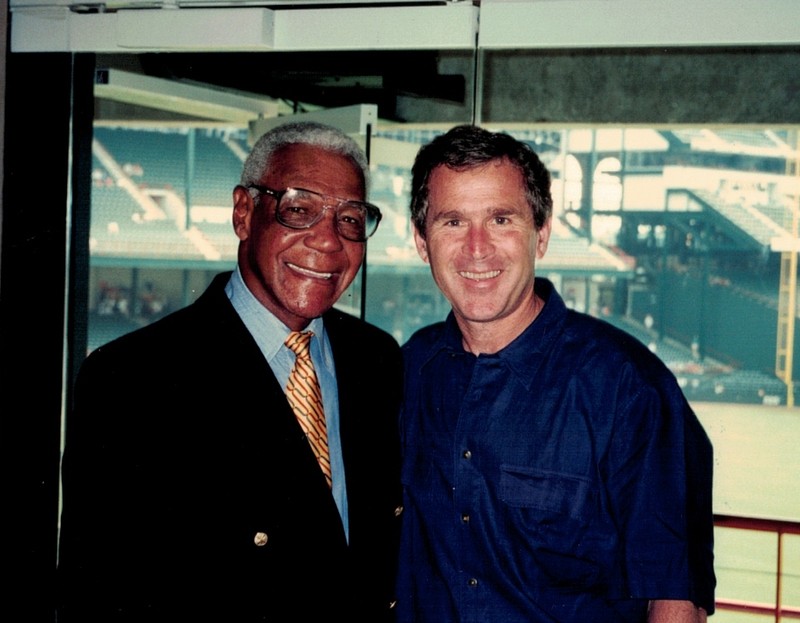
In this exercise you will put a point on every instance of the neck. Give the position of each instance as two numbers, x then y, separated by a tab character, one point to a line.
487	338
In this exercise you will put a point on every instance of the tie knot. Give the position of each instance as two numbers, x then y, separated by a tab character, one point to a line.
298	341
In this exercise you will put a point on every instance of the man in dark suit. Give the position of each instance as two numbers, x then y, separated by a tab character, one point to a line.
190	488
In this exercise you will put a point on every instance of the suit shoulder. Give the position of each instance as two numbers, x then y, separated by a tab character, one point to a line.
179	329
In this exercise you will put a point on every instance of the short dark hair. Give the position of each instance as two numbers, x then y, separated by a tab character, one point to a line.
468	146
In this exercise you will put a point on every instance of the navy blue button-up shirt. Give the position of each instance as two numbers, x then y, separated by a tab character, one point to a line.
564	478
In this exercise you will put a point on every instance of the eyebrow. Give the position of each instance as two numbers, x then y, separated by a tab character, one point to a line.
488	212
448	215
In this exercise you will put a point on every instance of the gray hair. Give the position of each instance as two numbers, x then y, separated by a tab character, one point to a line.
303	133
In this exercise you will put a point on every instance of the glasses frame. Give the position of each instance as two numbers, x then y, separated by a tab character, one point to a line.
373	212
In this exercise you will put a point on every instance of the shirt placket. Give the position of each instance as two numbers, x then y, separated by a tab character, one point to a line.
467	485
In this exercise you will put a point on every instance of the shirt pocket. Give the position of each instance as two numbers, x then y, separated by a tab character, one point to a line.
554	519
552	492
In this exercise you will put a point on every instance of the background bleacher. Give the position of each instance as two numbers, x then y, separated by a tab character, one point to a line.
139	196
141	183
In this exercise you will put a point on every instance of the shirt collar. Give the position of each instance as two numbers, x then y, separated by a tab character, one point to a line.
536	339
269	332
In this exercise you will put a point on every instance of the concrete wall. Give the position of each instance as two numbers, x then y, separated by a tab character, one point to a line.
626	86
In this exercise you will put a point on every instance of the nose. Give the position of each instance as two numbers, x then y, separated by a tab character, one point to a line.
478	242
323	235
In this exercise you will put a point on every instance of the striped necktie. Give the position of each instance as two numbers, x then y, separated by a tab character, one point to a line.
303	393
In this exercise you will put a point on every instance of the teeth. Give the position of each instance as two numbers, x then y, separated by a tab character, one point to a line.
478	276
308	272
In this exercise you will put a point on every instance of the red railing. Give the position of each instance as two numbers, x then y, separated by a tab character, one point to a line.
780	528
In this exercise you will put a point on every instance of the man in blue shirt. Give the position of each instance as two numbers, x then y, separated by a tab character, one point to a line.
553	470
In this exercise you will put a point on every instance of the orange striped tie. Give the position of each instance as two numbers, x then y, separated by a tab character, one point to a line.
304	395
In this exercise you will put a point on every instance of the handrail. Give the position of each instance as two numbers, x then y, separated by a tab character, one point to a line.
780	528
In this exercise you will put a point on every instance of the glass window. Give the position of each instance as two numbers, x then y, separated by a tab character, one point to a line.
162	176
676	213
673	233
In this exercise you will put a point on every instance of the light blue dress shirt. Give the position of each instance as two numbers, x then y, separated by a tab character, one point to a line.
270	335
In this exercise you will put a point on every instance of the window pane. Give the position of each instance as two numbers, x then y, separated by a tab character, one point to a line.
156	152
676	216
149	255
671	233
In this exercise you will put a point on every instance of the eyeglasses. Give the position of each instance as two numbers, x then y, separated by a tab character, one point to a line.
299	208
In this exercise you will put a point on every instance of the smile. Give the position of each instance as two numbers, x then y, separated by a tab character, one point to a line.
308	272
490	274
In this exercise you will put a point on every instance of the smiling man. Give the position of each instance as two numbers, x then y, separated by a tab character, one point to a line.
211	473
553	471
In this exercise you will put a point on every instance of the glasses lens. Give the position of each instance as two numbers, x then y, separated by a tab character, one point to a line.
351	220
300	209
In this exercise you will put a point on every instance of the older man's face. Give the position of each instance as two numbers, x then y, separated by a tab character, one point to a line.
298	274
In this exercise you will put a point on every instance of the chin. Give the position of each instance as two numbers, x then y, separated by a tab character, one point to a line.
479	315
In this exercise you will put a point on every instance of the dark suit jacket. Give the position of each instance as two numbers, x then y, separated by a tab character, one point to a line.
190	492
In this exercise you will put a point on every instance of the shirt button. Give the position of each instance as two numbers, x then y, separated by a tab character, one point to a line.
398	511
465	518
260	539
473	582
467	454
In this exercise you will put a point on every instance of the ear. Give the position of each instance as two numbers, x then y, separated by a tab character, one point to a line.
422	245
543	238
243	206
